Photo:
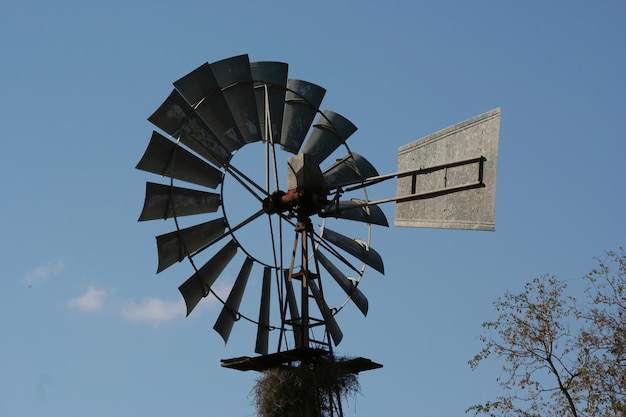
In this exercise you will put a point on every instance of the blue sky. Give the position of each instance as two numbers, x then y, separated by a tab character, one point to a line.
90	330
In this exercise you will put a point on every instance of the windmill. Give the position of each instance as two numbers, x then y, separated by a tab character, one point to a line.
302	196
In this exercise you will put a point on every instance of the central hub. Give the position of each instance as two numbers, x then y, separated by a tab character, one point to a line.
307	189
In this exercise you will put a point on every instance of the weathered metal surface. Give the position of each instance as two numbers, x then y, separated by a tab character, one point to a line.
228	315
235	78
346	285
175	246
329	132
329	320
349	170
270	80
302	101
263	329
165	201
198	285
472	204
356	248
164	157
304	173
356	210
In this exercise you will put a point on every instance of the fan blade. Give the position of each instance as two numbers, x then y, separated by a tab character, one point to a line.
165	158
163	202
302	101
263	331
198	84
357	210
329	132
294	314
176	117
235	78
199	284
349	288
331	324
228	315
270	78
356	248
173	247
349	169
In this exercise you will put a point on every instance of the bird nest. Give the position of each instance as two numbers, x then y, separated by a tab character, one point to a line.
309	389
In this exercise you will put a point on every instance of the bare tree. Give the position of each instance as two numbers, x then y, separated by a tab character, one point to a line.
562	356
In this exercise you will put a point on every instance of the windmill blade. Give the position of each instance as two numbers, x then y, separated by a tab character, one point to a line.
165	158
235	78
331	324
348	170
199	284
356	248
263	330
270	78
329	132
164	201
474	143
302	101
356	210
176	117
294	314
348	287
201	89
228	315
175	246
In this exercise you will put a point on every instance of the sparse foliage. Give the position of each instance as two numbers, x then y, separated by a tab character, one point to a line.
562	356
314	389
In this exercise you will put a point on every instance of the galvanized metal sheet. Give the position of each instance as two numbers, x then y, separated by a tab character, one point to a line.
270	80
329	320
198	84
302	101
357	210
198	285
263	329
164	202
329	132
356	248
346	285
228	315
472	208
235	78
164	157
175	246
349	170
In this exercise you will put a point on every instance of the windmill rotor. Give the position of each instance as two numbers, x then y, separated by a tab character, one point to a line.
219	195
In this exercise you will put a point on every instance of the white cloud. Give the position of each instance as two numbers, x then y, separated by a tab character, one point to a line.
153	310
43	272
91	301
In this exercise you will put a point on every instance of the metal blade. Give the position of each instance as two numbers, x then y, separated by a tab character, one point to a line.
329	132
270	78
348	286
294	314
214	111
198	84
165	158
228	315
235	78
176	117
357	210
302	101
331	324
175	246
164	201
349	169
263	331
356	248
198	285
